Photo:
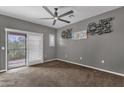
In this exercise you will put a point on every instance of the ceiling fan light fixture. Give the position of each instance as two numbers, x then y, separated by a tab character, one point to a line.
56	18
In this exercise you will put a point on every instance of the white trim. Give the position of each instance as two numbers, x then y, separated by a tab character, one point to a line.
18	31
36	63
111	72
6	50
50	60
3	70
27	61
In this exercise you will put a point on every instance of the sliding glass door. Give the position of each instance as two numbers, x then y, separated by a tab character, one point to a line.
16	50
23	48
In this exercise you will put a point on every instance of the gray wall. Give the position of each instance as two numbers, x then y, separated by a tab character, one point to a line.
23	25
109	47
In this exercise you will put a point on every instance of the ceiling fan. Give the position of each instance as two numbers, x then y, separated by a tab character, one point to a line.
55	15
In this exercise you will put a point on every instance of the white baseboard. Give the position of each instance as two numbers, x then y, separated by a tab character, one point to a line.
50	60
115	73
2	70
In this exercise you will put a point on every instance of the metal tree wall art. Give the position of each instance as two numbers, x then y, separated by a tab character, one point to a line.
92	28
104	26
67	34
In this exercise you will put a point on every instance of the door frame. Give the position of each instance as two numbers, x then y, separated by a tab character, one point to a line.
25	48
6	44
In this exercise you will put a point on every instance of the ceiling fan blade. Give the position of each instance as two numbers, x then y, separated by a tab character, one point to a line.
65	14
54	22
64	20
46	18
46	8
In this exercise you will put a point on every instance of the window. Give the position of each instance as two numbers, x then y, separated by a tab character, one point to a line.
51	40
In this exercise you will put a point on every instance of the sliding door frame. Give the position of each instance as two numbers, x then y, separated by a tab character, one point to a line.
24	49
27	33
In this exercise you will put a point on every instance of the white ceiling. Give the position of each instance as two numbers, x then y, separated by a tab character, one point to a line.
33	13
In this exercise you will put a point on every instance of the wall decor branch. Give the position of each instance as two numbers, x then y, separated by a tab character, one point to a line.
67	34
104	26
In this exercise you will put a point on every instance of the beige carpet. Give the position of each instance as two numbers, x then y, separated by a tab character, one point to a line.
58	74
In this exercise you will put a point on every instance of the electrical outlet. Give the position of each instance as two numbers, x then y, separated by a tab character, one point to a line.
81	58
102	61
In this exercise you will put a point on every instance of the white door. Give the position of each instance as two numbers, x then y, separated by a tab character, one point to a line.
35	48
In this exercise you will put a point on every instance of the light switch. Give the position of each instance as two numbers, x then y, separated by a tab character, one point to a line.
81	58
103	61
2	48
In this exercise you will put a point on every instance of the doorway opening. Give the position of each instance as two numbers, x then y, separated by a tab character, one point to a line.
16	50
23	48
